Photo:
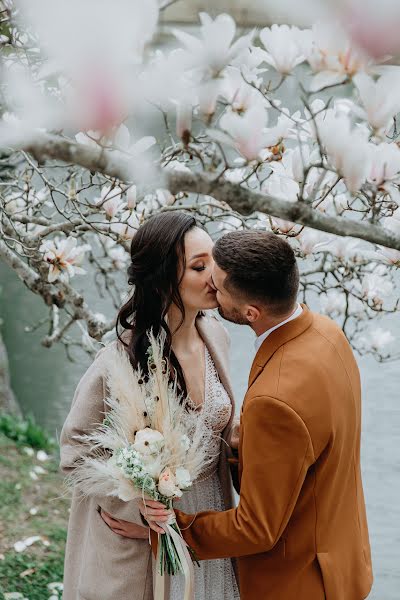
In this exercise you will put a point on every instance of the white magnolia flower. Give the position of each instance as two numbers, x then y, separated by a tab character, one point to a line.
375	288
286	46
126	225
237	92
131	197
117	253
348	149
282	129
182	477
64	258
148	441
333	56
167	484
389	256
246	131
333	303
282	225
311	240
280	185
380	98
89	138
385	163
376	340
344	248
110	200
208	55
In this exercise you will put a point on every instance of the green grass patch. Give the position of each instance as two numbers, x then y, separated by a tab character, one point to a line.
26	432
31	507
30	574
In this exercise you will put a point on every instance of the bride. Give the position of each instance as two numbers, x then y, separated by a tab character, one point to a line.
107	554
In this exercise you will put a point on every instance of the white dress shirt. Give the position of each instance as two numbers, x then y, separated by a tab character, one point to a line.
264	335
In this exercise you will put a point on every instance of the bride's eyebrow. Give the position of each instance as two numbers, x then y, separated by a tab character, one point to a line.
199	255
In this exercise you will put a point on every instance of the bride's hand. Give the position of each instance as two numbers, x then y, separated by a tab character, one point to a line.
154	512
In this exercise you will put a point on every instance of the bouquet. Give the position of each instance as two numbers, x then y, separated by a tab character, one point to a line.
151	445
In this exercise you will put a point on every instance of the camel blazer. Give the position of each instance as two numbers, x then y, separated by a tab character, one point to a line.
300	530
99	564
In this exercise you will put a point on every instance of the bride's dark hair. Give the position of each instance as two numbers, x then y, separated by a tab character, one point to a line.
156	271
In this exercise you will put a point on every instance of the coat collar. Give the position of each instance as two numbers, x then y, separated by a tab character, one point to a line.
278	338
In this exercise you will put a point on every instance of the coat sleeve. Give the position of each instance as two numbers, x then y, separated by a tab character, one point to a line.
86	413
276	454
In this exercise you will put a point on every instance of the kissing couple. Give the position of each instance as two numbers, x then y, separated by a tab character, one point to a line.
299	531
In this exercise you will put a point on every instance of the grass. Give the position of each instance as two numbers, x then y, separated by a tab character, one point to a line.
29	572
25	432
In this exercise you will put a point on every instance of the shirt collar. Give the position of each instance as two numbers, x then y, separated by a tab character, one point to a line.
261	338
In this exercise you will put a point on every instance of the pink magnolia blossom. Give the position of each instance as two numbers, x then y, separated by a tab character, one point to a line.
64	258
380	98
333	56
110	200
246	132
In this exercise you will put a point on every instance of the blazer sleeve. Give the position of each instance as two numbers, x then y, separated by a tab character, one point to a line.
86	413
276	454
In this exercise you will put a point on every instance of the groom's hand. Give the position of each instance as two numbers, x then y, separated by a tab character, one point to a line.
235	434
154	512
125	528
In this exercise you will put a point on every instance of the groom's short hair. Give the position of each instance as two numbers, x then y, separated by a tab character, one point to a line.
260	266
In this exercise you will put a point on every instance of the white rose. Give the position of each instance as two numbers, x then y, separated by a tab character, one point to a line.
182	477
185	441
166	484
148	441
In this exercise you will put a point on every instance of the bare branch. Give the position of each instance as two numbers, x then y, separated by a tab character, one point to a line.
246	202
239	198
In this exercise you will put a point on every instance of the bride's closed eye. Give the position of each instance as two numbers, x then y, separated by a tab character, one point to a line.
199	268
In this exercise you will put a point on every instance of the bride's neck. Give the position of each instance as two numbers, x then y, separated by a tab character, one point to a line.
186	336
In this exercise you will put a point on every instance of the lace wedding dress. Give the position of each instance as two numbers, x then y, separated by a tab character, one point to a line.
214	579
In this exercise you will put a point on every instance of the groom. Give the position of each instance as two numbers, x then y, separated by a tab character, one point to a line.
300	529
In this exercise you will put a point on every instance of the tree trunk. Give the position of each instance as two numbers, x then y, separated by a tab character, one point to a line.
8	402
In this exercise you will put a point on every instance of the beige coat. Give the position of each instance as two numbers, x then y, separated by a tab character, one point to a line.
99	564
300	530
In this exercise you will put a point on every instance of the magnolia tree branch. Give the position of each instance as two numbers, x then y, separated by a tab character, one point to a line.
47	146
245	202
238	197
59	294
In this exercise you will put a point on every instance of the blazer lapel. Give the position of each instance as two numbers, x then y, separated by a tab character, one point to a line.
276	339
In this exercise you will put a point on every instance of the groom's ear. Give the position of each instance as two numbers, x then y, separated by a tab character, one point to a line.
252	313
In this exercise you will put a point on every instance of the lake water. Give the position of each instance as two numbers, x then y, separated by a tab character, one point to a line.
44	382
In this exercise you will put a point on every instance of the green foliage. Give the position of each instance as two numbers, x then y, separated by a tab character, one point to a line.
43	570
25	432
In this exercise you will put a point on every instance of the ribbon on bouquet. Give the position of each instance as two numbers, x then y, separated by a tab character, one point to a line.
185	560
